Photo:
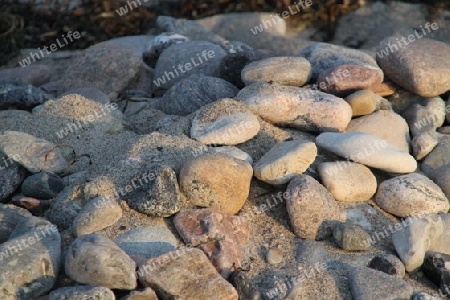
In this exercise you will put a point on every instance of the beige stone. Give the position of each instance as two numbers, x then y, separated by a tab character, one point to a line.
363	102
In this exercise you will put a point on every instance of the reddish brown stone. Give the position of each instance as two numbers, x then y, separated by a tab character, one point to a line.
35	206
385	89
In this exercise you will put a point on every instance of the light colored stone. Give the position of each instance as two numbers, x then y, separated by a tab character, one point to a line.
348	181
146	294
233	152
207	180
288	70
363	102
368	150
80	292
411	195
425	115
386	125
285	161
297	107
274	256
441	176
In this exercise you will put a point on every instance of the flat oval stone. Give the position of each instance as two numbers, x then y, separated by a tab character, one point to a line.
288	70
297	107
363	102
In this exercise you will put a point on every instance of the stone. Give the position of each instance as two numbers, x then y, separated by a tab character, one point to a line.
244	286
367	283
347	181
441	176
15	93
351	237
274	256
224	122
87	292
363	102
415	237
389	264
159	196
158	44
284	161
105	66
10	216
42	186
146	294
96	260
413	68
233	152
136	43
206	182
438	157
288	70
34	74
386	125
188	273
147	242
66	206
310	206
435	268
296	107
423	143
33	250
368	150
35	206
190	94
194	57
220	236
34	154
11	176
97	214
411	195
425	115
424	296
88	93
345	79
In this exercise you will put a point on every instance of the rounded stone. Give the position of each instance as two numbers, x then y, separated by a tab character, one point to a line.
274	256
351	237
42	186
363	102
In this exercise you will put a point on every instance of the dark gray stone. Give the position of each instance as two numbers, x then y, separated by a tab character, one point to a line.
158	44
19	94
436	268
389	264
42	186
11	176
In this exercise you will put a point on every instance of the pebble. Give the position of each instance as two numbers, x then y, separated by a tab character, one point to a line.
42	186
386	125
425	115
233	152
146	294
274	256
194	57
347	181
97	214
351	237
34	154
435	268
154	192
34	74
389	264
224	122
368	150
105	66
423	143
363	102
88	93
96	260
414	69
438	157
367	284
86	292
35	206
190	94
411	195
18	94
307	110
186	272
424	296
244	285
10	216
441	176
206	182
158	44
136	43
288	70
284	161
220	236
11	176
310	206
33	250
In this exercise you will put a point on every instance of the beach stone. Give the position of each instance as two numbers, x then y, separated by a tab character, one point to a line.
385	89
284	161
244	285
423	143
233	152
346	79
34	74
351	237
441	176
324	57
424	296
80	292
206	181
33	250
347	181
425	115
147	242
97	214
42	186
367	284
224	122
105	66
18	94
220	236
159	195
34	154
11	176
158	44
389	264
414	69
436	268
416	236
363	102
135	43
438	157
35	206
146	294
96	260
310	206
10	216
274	256
191	93
196	57
88	93
386	125
296	107
411	195
288	70
368	150
188	273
